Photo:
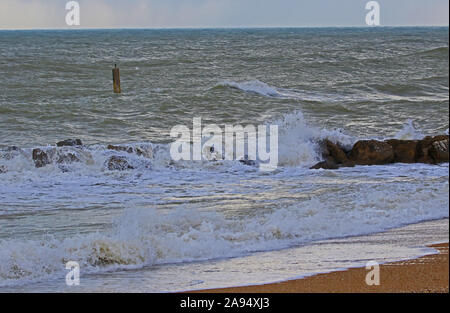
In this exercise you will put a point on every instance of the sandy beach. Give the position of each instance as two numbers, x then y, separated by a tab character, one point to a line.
427	274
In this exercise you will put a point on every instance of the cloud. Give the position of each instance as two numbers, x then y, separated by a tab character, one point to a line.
20	14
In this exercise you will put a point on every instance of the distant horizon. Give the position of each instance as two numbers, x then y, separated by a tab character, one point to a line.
221	27
206	14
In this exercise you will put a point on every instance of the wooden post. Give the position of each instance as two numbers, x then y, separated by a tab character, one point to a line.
116	79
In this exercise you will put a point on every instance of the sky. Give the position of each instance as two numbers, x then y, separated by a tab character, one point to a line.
51	14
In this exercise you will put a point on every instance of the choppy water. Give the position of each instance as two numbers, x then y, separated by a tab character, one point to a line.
343	84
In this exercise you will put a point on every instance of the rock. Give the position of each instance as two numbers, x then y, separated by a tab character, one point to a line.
40	158
2	169
371	152
247	162
118	163
140	150
439	149
327	165
10	153
69	143
430	150
120	148
334	156
433	150
67	158
333	151
405	151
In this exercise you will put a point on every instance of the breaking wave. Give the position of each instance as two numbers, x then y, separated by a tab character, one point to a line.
146	237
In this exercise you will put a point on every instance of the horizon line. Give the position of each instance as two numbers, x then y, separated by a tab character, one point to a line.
215	27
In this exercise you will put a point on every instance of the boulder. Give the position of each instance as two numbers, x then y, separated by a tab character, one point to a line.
118	163
11	152
433	150
327	165
439	149
120	148
371	152
69	143
334	156
140	150
405	151
40	158
67	157
334	151
246	161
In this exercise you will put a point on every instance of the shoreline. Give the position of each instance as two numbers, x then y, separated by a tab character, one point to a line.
425	274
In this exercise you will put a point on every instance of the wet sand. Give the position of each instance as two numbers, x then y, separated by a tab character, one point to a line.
422	275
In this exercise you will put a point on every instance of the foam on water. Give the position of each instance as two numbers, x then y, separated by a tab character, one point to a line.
409	132
298	146
144	237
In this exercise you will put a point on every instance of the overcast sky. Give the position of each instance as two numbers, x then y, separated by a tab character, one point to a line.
32	14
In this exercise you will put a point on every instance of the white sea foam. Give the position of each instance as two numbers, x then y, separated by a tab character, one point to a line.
298	147
409	132
144	237
254	86
356	202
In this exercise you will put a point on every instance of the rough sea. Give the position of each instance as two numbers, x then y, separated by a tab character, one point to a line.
166	225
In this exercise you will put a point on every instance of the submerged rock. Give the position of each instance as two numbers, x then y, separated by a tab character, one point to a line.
246	161
40	158
69	143
67	157
139	150
327	165
2	169
118	163
11	152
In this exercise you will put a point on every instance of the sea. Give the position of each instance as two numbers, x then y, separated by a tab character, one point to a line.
163	225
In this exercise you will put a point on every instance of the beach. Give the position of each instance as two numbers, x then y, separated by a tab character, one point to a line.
427	274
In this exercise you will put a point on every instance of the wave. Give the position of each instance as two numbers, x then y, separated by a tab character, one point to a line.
297	146
409	132
435	52
252	86
146	237
261	88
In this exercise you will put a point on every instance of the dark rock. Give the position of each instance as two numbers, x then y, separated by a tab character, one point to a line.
247	162
40	158
69	143
140	151
118	163
333	151
405	151
371	152
67	158
438	150
327	164
334	156
430	150
2	169
10	152
120	148
433	150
